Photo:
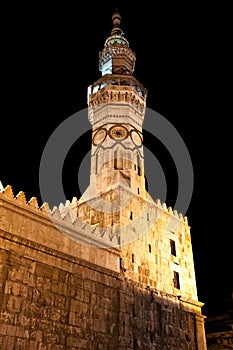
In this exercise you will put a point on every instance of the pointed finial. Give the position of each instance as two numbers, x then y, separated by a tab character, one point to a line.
116	18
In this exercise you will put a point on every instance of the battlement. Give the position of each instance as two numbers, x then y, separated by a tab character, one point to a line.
64	217
104	230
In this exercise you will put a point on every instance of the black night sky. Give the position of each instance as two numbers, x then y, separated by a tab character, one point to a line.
49	56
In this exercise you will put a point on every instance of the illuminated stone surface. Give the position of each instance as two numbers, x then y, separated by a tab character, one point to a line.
114	269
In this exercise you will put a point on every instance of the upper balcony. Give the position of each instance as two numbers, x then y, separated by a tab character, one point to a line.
117	83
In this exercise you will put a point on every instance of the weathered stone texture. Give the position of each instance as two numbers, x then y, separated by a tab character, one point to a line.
113	270
44	307
152	321
57	294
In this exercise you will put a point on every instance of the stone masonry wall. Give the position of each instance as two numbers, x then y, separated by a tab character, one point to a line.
59	294
84	307
44	307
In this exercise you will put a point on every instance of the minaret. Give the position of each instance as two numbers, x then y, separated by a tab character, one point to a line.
154	240
114	269
116	108
116	196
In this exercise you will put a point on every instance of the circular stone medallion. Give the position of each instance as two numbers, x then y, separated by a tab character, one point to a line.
118	132
99	137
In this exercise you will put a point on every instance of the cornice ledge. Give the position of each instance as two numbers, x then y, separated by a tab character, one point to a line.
53	252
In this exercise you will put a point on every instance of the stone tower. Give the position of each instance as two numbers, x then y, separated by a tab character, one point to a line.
116	198
114	269
117	104
154	240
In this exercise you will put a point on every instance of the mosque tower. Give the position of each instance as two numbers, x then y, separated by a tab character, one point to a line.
113	269
116	105
116	109
154	240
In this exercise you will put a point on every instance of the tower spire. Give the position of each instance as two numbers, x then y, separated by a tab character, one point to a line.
116	108
116	19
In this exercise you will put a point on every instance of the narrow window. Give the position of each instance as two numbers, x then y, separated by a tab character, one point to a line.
148	217
138	190
131	215
176	280
138	165
173	247
120	263
96	163
149	248
132	258
115	159
118	162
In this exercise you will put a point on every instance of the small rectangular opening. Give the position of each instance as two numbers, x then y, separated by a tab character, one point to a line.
118	162
176	280
173	247
120	263
138	165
